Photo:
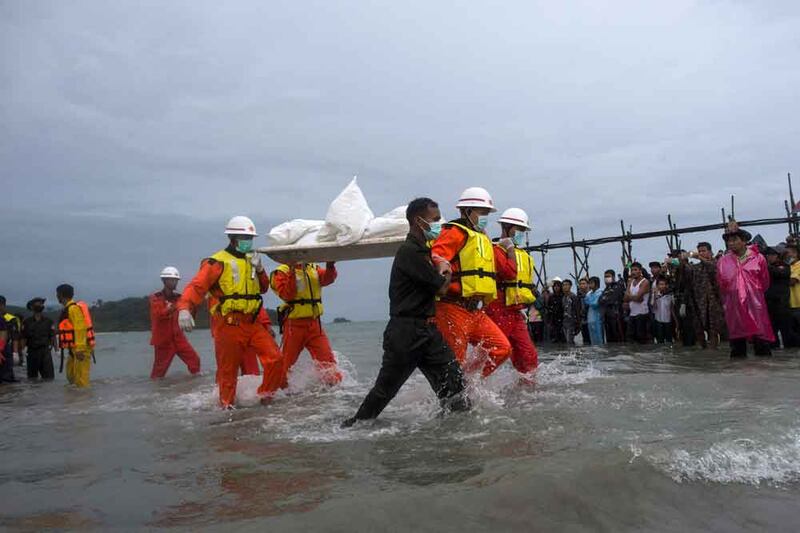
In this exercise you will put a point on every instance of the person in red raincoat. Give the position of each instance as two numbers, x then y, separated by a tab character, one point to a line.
743	277
167	338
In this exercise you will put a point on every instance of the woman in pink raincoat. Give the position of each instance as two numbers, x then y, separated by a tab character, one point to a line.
743	278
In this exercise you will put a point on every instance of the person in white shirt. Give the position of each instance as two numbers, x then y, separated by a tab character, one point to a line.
663	312
637	296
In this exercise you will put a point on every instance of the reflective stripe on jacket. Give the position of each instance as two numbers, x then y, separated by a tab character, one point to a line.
476	271
520	291
306	302
240	289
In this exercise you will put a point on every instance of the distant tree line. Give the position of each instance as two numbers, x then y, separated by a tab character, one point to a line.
128	314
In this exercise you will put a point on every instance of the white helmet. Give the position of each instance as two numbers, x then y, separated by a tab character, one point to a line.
476	197
554	279
516	217
240	225
170	273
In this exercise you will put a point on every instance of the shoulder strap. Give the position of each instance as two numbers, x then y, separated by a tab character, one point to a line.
457	225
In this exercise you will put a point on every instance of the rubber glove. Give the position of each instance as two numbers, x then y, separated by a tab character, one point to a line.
185	320
255	261
506	243
442	265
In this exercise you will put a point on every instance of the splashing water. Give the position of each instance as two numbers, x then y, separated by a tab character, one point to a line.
736	461
596	426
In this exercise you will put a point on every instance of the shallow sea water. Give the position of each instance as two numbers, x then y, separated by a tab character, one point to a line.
609	439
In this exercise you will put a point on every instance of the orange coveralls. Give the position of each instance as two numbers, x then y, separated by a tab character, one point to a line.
167	338
299	333
461	325
233	333
249	366
509	318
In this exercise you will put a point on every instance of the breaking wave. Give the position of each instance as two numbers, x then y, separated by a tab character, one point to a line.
736	461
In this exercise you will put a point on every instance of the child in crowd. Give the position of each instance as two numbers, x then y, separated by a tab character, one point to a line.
663	312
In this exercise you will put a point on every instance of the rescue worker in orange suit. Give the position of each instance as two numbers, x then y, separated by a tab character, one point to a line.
460	314
167	337
235	279
300	287
515	293
76	334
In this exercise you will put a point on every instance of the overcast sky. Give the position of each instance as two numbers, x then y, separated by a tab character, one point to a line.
131	131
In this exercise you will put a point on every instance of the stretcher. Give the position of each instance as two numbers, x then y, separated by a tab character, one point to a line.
331	251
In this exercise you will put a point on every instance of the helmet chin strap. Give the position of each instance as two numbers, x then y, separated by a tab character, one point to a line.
468	214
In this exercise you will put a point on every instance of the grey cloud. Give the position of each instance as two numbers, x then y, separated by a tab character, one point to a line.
155	121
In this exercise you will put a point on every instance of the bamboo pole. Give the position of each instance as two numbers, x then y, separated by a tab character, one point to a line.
629	236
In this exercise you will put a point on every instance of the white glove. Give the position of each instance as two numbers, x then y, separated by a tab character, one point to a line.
506	243
255	262
185	320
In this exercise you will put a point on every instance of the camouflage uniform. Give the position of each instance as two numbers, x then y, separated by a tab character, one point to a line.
709	316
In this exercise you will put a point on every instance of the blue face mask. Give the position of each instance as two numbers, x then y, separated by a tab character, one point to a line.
483	221
244	246
519	239
433	231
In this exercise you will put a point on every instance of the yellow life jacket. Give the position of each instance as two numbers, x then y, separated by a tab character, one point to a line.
476	266
307	302
241	291
520	291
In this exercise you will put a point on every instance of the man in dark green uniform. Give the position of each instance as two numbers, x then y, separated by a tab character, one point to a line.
38	337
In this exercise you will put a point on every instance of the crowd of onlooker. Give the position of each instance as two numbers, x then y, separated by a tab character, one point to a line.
676	300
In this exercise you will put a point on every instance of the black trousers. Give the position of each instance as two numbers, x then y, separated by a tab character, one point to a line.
638	327
585	333
614	329
662	331
556	331
739	347
536	330
781	317
409	344
40	363
686	324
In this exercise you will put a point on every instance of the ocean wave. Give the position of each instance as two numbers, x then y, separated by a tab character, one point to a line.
736	461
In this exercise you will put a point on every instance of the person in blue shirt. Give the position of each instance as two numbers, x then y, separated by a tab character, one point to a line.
594	316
